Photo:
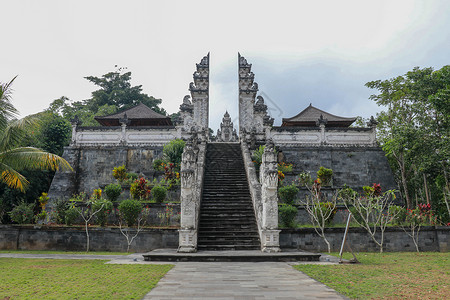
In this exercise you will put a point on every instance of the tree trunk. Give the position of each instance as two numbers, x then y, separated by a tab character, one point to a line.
401	164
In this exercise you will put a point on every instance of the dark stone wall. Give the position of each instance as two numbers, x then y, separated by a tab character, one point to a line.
93	167
354	166
74	239
430	239
14	237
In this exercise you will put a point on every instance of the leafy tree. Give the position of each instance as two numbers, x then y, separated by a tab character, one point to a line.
13	157
116	89
414	131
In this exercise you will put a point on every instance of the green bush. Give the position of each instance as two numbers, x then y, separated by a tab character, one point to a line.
71	215
132	176
288	193
287	215
159	193
346	194
61	205
257	155
325	175
173	150
22	213
129	211
105	207
113	191
158	164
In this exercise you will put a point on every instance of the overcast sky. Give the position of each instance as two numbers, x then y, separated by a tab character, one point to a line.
319	52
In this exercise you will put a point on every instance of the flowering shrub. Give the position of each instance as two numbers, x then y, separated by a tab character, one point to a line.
325	175
376	189
158	164
22	213
42	215
166	214
425	208
120	173
169	172
96	195
284	167
280	177
140	189
304	179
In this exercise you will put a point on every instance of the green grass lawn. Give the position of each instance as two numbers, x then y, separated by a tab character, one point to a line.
76	279
62	252
399	275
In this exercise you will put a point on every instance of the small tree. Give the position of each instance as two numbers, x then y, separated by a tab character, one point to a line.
374	212
130	214
87	213
320	212
415	219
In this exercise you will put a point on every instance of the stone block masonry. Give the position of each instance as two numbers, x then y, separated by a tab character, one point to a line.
93	167
396	240
354	166
74	239
14	237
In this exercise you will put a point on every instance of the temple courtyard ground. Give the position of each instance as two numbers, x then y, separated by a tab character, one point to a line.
92	276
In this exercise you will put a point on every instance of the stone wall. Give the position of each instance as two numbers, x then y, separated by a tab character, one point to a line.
14	237
354	166
93	167
430	239
74	239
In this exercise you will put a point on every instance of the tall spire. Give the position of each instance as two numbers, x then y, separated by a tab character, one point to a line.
199	89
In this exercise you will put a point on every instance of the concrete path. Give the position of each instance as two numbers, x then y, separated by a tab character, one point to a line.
237	280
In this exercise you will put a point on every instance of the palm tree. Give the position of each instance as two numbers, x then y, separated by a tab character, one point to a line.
14	158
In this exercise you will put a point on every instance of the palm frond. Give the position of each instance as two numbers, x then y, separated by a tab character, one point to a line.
33	158
7	110
12	178
15	131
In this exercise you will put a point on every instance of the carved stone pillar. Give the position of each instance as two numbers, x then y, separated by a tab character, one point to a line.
75	123
269	181
124	122
373	125
188	230
321	122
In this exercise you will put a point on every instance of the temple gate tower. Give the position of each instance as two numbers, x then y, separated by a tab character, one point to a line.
254	120
200	95
226	133
247	94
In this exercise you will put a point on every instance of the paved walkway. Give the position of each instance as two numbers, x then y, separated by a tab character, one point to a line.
237	280
221	280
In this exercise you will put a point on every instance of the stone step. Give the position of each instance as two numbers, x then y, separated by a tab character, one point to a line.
228	247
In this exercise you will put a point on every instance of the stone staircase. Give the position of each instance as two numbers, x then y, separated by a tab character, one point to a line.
227	219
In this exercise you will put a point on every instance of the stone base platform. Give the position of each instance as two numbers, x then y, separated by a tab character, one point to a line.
229	256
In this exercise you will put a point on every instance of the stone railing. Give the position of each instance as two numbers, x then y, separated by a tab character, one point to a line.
264	196
323	136
125	136
192	171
